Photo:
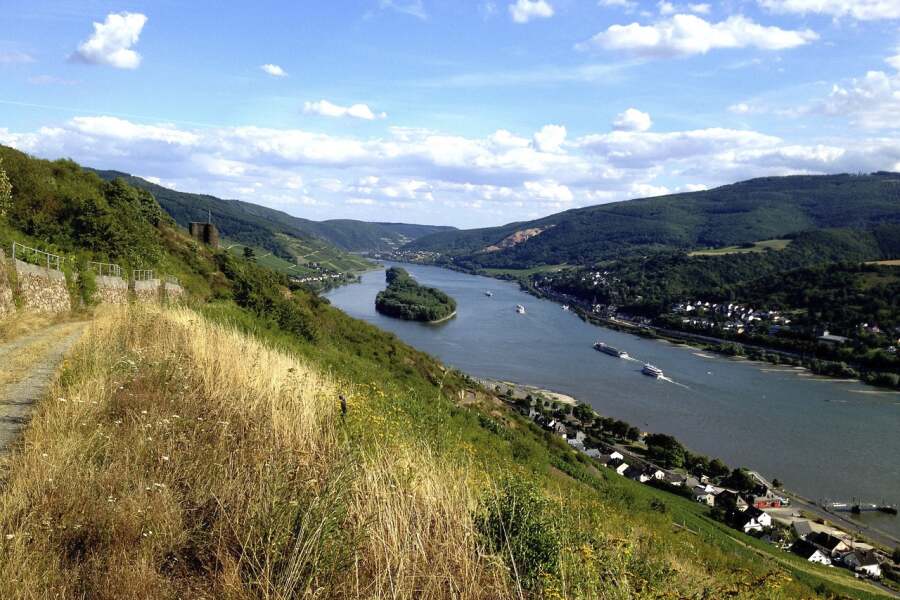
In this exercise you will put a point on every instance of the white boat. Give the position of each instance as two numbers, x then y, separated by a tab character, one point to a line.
652	371
489	294
565	307
607	349
520	309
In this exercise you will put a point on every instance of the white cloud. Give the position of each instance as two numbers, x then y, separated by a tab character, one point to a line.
550	138
15	58
523	11
666	8
445	177
114	127
685	35
273	70
325	108
700	9
112	41
626	5
863	10
549	191
633	120
870	102
741	108
413	8
894	61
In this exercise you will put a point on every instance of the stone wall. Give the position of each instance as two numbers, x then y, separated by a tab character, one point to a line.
173	291
7	304
147	290
111	290
42	289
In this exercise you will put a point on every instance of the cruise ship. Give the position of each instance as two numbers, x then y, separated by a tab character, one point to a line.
520	309
607	349
652	371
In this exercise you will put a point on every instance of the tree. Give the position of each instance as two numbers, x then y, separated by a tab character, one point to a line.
665	449
583	413
776	483
717	468
740	480
896	555
249	254
5	192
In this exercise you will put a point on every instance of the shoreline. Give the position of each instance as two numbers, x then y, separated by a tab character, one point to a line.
447	318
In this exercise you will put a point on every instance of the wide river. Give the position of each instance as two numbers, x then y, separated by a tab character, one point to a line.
825	439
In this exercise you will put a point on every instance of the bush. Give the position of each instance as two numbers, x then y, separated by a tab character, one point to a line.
515	523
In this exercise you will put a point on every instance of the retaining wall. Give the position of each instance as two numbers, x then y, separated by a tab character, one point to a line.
147	291
173	291
42	289
7	304
111	290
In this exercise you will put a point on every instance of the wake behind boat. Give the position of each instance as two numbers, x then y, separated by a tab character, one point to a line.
652	371
607	349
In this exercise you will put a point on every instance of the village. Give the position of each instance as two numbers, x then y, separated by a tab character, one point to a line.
742	499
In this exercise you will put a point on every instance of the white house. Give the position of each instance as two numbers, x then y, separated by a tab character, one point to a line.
621	467
810	552
615	455
863	562
703	497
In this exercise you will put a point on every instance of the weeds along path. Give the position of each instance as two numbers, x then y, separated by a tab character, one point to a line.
27	366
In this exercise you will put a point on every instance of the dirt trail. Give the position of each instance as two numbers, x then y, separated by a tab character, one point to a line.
27	366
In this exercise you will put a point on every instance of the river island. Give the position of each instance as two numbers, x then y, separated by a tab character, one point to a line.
406	299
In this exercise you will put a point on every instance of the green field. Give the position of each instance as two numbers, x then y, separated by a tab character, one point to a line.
756	247
517	273
304	251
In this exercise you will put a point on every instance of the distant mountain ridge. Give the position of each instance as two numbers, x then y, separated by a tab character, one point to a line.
257	225
758	209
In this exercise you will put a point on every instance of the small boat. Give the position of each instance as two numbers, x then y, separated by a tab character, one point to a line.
607	349
652	371
565	307
489	294
520	309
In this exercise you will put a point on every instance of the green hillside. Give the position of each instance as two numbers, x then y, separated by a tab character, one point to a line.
747	212
258	226
259	443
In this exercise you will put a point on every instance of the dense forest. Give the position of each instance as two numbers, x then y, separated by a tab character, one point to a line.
758	209
405	299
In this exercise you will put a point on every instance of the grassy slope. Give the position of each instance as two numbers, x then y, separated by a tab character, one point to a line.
745	212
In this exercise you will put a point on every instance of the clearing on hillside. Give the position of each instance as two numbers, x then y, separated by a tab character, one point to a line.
760	246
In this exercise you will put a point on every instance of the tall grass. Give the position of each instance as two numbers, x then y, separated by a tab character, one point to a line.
179	458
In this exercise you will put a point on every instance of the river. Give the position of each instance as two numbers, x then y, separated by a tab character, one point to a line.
824	439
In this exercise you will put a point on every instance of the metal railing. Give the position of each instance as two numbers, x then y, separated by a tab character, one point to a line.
35	257
142	274
172	280
105	269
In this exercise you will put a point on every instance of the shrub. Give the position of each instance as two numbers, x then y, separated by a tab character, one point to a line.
515	523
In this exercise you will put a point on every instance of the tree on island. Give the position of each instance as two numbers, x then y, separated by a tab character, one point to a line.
405	299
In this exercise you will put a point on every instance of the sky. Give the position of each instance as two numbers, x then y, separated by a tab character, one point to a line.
461	112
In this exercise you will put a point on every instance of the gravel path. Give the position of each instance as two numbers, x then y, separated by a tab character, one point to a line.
27	367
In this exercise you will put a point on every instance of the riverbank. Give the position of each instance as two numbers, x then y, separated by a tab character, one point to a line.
447	318
799	509
521	391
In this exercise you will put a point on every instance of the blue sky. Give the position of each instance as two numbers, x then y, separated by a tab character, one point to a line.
469	113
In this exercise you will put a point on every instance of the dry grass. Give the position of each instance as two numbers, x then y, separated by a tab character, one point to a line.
176	458
22	323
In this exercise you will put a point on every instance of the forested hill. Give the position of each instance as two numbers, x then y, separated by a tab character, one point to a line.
759	209
257	225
